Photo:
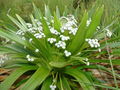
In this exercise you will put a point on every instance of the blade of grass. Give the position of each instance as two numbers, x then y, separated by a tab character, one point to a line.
36	79
81	78
46	84
79	38
5	85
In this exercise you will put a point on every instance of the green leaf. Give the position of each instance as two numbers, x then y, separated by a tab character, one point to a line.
57	12
45	27
58	64
33	20
15	63
79	38
64	83
46	84
40	45
6	50
95	22
93	25
116	52
11	36
5	85
81	78
114	61
37	12
99	67
57	24
36	79
47	13
22	21
17	23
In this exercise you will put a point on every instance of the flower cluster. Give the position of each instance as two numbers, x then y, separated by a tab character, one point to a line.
1	61
39	35
108	33
98	28
30	40
61	44
88	22
52	87
53	31
29	58
51	40
86	61
93	43
20	32
70	25
3	58
67	54
64	38
37	30
36	50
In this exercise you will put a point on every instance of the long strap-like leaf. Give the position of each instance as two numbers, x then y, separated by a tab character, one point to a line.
64	85
95	22
38	77
11	36
79	38
81	78
5	85
37	12
46	84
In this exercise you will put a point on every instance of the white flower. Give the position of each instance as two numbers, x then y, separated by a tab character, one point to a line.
108	33
25	47
29	25
99	50
64	38
78	53
36	20
86	59
1	61
39	23
53	31
45	18
73	31
39	35
36	50
88	63
70	25
32	30
30	40
93	42
51	40
23	38
20	32
48	23
60	44
29	58
52	21
67	54
98	28
71	18
52	87
88	22
40	29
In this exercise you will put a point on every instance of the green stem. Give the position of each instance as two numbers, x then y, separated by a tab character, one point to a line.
111	64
